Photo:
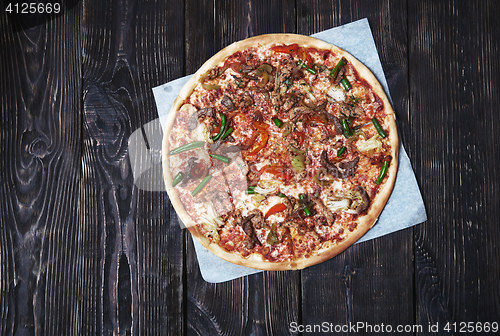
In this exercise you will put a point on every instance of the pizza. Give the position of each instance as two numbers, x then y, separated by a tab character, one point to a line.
280	152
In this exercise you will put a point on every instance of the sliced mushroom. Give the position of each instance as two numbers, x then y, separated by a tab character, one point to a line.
366	200
342	170
233	218
349	167
198	116
286	71
256	218
330	167
227	102
295	112
244	100
249	224
323	210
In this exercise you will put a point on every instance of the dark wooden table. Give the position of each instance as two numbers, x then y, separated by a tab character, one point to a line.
85	252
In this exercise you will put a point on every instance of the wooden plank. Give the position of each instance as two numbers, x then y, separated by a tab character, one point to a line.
213	24
371	282
40	136
454	76
263	304
133	255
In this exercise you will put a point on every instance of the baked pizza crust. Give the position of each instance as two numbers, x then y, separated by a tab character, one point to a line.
365	221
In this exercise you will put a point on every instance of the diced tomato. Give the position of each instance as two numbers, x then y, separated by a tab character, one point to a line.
275	209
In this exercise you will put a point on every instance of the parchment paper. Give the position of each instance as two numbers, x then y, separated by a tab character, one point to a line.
404	208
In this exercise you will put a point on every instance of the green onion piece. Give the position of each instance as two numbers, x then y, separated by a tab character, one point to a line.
221	158
337	68
227	133
201	185
223	121
186	147
307	212
177	179
303	65
383	171
341	151
379	128
346	129
311	70
251	190
302	197
345	84
277	122
280	194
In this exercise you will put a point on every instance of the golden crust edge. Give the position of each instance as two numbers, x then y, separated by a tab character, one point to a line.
366	222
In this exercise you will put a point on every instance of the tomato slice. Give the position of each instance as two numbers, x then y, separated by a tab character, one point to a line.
263	136
275	209
304	55
295	50
287	49
261	143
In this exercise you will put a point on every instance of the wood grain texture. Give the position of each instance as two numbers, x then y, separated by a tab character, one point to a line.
40	168
135	271
214	24
362	284
453	67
